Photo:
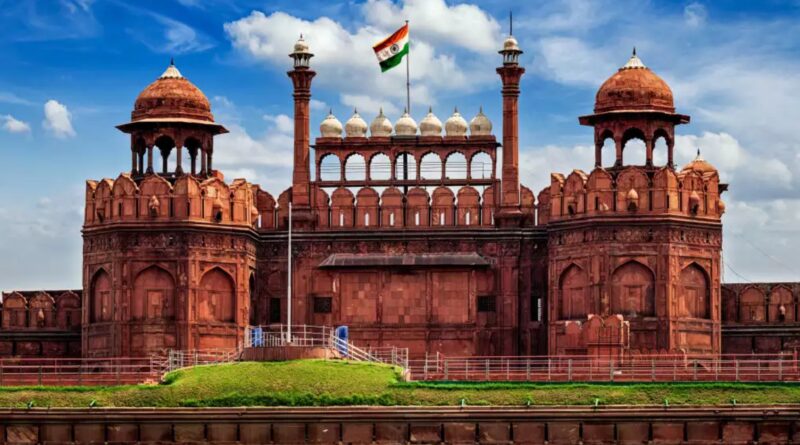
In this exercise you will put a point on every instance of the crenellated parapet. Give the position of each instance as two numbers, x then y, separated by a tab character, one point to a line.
635	192
188	199
40	310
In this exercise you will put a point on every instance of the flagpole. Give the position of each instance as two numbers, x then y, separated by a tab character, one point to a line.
408	75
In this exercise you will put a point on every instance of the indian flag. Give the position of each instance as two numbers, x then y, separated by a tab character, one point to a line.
390	51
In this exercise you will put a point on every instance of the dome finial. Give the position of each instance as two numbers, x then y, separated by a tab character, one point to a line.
634	62
171	61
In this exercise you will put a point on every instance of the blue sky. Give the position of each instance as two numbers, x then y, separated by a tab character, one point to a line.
72	69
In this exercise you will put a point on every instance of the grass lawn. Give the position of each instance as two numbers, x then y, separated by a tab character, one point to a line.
319	383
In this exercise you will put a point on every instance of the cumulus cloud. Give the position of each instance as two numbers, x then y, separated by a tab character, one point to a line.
571	61
14	125
265	157
58	119
462	25
346	63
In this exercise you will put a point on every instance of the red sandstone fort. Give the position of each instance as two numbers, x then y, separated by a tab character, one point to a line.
425	247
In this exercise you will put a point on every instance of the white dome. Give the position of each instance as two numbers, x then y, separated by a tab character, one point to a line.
430	125
301	46
510	44
480	125
355	127
456	125
380	126
405	126
330	127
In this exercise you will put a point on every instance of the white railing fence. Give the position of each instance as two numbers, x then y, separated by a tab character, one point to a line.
324	337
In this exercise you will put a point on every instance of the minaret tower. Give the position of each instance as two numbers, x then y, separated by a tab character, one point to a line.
301	77
510	73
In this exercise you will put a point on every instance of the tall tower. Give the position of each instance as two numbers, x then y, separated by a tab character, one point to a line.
634	251
168	250
301	76
510	73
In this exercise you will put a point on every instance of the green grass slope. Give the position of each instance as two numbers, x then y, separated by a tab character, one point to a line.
329	383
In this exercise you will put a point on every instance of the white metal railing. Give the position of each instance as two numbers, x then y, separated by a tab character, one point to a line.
644	368
324	337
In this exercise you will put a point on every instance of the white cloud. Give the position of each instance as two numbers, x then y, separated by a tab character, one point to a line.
13	125
463	25
695	14
317	105
368	105
346	63
58	119
571	61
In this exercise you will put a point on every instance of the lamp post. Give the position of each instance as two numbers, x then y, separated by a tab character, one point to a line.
289	282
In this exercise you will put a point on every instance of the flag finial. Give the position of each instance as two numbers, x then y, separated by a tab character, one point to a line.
634	50
172	61
510	22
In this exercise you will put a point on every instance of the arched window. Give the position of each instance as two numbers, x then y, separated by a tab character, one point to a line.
456	166
633	290
217	297
481	166
403	170
380	167
153	295
100	304
431	166
574	294
693	293
634	151
330	169
660	149
355	168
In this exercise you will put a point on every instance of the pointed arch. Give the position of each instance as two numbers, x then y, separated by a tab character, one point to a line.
100	297
217	297
781	304
153	294
68	310
41	311
573	298
693	292
633	290
752	305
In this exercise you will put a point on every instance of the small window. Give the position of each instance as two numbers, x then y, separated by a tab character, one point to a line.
341	219
274	310
322	305
441	219
416	219
536	308
391	219
366	220
467	217
487	303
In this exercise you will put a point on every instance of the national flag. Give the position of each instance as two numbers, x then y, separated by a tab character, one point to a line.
391	50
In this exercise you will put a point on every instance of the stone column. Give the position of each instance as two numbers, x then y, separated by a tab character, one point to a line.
301	176
510	213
